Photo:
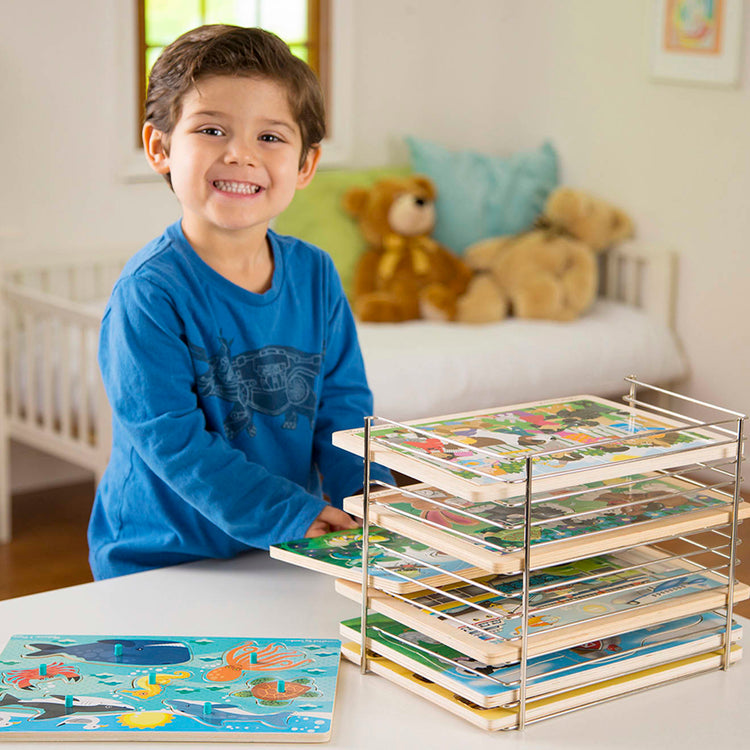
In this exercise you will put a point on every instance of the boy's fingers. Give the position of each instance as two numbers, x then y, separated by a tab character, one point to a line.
339	520
331	519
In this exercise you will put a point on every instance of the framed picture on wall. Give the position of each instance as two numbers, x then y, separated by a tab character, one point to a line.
697	41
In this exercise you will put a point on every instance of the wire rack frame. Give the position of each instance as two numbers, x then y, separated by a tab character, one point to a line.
729	436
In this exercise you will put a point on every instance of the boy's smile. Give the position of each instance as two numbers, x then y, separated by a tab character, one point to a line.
233	159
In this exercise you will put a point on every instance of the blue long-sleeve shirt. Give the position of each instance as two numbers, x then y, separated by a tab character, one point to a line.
223	404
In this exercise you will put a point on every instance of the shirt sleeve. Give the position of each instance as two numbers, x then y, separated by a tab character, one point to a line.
149	380
345	401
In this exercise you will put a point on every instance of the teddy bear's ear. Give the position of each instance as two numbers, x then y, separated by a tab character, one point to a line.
354	200
562	204
622	225
426	184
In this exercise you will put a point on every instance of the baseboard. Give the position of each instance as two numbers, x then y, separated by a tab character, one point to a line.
31	470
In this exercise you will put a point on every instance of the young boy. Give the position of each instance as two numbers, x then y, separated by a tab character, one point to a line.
228	352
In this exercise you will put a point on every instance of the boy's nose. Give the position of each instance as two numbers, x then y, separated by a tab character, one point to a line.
240	153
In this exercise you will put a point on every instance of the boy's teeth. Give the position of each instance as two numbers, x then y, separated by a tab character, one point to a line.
236	187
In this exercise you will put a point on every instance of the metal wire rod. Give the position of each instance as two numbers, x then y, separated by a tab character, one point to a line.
595	681
730	596
535	454
633	380
365	559
615	657
510	684
537	544
634	479
507	527
445	615
626	588
662	410
442	571
593	618
623	462
615	571
610	698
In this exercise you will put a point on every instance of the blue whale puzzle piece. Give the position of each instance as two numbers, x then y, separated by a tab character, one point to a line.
145	651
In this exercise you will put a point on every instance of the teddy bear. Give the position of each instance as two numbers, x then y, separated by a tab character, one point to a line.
549	272
403	274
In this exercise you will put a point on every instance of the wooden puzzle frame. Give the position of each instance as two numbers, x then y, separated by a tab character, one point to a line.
438	471
497	651
548	553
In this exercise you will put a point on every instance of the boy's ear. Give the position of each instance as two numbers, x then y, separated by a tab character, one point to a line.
155	147
308	168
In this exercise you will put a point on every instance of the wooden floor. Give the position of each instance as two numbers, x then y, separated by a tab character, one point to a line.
49	548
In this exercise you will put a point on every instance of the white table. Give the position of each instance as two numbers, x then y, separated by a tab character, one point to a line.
256	596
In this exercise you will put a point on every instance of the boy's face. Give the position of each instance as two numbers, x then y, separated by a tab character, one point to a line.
233	156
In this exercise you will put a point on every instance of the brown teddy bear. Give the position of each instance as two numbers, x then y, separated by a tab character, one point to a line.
404	274
550	272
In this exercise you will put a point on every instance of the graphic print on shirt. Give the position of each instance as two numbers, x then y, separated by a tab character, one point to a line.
273	380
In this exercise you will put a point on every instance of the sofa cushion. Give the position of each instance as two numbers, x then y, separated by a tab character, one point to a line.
480	195
425	369
317	216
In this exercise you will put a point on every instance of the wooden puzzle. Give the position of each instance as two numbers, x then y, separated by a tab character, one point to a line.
393	558
507	718
489	686
74	687
590	519
482	455
487	625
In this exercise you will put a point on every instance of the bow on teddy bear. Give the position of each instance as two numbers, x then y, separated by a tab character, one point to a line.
403	274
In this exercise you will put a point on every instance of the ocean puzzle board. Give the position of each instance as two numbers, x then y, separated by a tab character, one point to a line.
55	687
393	558
507	718
489	686
482	455
487	625
588	519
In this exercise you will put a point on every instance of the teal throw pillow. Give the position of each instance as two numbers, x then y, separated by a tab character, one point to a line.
480	195
317	216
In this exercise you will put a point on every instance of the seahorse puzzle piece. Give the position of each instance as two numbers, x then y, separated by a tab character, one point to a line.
151	684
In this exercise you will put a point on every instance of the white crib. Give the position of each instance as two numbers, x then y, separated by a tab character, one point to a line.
55	401
54	398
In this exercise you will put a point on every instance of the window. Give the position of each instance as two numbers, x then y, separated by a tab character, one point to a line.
302	24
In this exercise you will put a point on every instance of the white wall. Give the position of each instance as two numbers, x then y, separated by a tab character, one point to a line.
494	75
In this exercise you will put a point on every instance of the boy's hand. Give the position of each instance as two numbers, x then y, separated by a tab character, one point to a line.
331	519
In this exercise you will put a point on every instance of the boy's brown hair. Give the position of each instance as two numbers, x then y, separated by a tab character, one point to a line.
219	49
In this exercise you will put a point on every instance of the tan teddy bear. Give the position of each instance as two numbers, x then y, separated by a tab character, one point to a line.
547	273
404	274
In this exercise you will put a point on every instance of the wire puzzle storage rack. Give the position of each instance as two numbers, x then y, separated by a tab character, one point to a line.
710	551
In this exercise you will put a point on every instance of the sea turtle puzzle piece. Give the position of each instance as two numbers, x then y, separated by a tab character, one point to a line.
266	691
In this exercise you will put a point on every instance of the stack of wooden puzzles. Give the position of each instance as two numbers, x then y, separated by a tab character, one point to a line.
548	556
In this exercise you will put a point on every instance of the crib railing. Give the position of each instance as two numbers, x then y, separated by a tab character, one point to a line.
642	277
53	396
78	281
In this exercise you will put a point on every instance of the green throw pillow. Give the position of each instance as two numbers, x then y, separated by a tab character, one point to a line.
317	216
480	195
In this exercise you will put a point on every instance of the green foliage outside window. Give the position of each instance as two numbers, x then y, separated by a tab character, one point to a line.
165	20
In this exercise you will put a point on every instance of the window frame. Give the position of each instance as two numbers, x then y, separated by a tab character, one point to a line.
336	28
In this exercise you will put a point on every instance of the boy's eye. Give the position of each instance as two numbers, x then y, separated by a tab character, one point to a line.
211	131
270	138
